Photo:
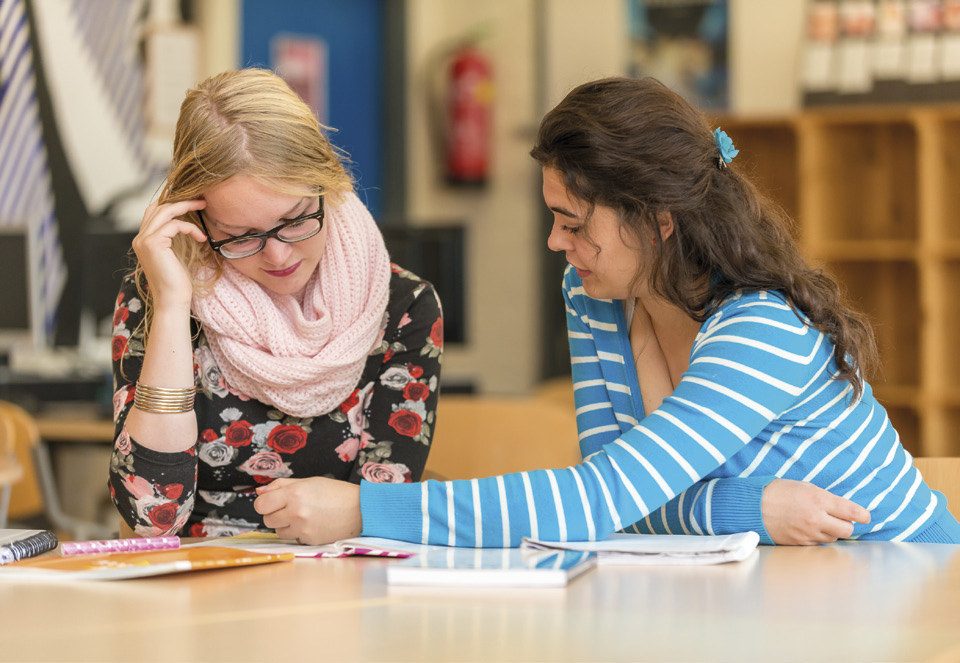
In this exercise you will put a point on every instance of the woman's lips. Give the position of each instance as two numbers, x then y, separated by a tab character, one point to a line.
280	273
582	273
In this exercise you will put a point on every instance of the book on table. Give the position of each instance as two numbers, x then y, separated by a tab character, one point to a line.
490	567
141	564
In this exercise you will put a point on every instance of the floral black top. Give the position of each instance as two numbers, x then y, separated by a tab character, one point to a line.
381	433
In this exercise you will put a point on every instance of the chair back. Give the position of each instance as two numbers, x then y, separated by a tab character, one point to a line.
26	498
942	474
480	436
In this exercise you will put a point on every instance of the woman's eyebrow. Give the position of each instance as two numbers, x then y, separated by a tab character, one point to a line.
563	212
286	214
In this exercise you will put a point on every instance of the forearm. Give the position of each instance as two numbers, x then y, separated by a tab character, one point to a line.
167	363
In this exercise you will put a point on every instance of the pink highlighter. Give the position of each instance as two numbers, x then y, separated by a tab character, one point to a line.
68	548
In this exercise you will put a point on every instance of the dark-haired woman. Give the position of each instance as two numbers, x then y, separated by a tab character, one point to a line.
714	371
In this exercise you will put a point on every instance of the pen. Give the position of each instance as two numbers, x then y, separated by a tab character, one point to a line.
68	548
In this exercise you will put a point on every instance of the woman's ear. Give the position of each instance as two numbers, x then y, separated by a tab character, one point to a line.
665	219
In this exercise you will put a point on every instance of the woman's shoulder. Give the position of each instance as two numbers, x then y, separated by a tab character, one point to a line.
765	314
766	303
406	288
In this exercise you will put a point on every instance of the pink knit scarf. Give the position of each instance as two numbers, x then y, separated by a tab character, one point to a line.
304	359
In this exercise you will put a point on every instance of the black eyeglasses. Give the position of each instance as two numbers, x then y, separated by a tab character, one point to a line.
294	230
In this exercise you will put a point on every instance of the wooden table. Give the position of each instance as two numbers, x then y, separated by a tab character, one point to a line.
845	602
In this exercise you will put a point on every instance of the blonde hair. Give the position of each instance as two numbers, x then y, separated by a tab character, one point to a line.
246	122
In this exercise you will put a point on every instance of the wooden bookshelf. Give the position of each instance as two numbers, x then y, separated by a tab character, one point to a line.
876	197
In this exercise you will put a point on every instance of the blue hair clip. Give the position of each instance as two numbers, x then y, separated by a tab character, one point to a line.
725	147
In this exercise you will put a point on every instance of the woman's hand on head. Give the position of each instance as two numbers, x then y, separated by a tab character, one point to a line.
797	513
313	511
169	282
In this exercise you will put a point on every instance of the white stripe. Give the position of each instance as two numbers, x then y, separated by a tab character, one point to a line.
599	429
839	448
867	479
425	507
733	395
767	304
620	388
629	486
919	521
477	517
766	347
587	383
627	419
903	472
504	512
651	470
694	435
752	372
561	518
799	330
816	437
587	514
581	335
663	517
681	461
723	421
584	360
708	512
604	405
614	516
597	324
610	356
680	517
903	505
531	506
451	516
693	512
863	455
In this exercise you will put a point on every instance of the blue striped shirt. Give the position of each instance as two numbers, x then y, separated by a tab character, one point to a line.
758	402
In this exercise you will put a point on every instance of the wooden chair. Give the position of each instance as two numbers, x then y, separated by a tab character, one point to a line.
480	436
942	474
36	493
10	469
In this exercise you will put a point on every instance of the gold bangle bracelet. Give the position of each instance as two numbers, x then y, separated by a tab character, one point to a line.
163	400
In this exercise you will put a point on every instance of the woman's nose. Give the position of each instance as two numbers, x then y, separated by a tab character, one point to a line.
276	252
557	241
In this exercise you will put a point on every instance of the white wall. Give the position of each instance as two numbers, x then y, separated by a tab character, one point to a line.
764	51
501	269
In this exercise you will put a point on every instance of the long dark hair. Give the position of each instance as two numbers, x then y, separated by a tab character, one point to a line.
638	147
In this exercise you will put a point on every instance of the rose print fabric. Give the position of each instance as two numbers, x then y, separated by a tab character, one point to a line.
380	433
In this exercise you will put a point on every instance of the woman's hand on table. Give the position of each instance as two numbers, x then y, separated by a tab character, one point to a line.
797	513
313	511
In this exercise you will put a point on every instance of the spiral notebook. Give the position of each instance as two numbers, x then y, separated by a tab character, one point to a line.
17	544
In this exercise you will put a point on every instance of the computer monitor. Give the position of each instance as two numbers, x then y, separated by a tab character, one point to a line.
21	316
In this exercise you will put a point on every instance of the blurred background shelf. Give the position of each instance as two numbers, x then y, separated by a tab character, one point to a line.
874	192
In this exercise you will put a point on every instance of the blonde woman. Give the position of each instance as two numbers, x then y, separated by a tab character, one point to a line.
264	338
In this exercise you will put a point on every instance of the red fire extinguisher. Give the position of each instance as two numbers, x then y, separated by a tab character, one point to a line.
470	114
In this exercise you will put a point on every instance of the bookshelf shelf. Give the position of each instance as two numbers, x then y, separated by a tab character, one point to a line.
875	193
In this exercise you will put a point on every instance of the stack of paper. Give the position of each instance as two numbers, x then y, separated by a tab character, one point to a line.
655	549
